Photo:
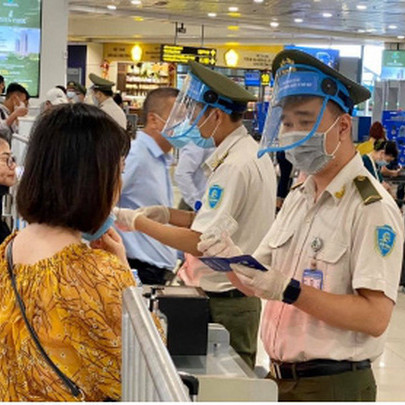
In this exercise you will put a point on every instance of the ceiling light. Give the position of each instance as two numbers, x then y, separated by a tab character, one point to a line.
234	15
233	27
392	27
274	24
371	30
136	2
138	18
233	9
212	15
401	37
327	15
360	30
258	1
111	7
361	7
298	20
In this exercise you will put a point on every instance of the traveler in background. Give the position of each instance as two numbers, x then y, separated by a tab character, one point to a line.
53	97
7	180
75	92
376	133
146	182
14	106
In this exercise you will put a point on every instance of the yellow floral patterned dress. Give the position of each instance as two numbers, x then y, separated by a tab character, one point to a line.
73	301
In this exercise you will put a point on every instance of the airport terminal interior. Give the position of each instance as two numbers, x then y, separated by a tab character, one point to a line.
199	93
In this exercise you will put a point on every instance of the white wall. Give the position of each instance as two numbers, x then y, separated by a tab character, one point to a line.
54	44
94	59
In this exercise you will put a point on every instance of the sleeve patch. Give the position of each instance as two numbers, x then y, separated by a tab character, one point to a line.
385	239
215	194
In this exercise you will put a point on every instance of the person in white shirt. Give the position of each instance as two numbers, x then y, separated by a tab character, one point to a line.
189	174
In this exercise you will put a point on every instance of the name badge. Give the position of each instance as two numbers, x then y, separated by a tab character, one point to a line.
313	278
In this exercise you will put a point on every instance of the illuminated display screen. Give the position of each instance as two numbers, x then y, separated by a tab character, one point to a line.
20	43
184	54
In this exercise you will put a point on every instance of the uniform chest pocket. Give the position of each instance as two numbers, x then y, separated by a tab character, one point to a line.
333	262
280	244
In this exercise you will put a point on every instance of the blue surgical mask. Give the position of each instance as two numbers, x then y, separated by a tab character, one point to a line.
108	223
193	135
70	94
381	163
205	143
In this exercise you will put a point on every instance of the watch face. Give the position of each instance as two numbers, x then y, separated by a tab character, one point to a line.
292	292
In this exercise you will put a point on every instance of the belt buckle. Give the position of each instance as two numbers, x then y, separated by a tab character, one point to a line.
275	370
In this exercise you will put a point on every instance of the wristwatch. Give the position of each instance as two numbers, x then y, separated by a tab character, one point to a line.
292	292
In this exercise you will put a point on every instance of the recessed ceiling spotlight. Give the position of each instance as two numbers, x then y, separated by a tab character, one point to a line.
136	2
327	15
258	1
233	9
371	30
212	15
392	27
360	30
401	37
298	20
274	24
111	7
361	7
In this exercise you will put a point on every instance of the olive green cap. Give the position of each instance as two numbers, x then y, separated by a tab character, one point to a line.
357	92
77	86
99	83
221	84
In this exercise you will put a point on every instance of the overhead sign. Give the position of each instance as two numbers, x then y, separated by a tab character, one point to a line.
184	54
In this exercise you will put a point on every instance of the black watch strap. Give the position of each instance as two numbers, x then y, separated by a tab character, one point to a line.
292	292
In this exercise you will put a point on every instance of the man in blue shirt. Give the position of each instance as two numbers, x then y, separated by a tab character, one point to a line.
146	182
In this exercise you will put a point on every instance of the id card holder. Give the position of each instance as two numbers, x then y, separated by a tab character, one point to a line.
313	278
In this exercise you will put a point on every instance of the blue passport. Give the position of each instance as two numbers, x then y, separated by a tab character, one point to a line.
223	263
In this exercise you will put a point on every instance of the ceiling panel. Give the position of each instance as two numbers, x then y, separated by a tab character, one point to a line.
381	20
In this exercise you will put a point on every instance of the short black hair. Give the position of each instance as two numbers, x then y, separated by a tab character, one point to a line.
234	115
391	149
118	98
108	93
156	99
16	88
1	79
72	168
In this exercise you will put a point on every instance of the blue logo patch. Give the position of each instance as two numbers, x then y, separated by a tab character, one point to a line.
385	239
215	194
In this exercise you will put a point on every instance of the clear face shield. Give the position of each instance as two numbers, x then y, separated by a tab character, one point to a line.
300	96
187	110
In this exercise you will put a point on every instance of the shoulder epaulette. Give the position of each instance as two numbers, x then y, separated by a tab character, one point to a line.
368	192
297	185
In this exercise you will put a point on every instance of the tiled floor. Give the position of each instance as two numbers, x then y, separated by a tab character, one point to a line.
389	369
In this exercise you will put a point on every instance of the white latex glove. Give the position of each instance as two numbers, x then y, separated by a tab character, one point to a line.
126	218
269	285
158	213
218	245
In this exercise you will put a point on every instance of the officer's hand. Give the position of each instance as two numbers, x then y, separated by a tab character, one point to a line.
269	284
158	213
126	218
218	245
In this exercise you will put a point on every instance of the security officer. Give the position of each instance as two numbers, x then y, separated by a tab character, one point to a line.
208	112
334	253
75	92
102	97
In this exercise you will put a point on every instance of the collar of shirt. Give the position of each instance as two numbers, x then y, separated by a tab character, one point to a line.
108	101
337	187
5	109
223	149
153	147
